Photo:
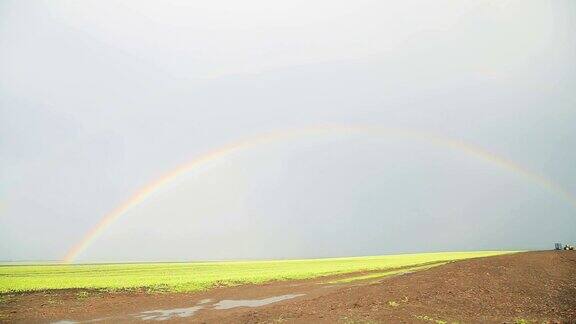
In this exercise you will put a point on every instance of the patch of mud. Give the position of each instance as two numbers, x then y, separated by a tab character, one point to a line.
228	303
166	314
77	322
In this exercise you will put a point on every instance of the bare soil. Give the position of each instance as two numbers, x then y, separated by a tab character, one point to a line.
531	286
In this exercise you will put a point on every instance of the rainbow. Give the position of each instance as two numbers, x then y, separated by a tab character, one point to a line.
227	150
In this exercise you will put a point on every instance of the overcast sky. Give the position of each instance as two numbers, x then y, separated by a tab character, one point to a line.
99	98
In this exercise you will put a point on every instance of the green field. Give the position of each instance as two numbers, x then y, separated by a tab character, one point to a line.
202	275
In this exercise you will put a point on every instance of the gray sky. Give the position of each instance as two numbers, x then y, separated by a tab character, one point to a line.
99	98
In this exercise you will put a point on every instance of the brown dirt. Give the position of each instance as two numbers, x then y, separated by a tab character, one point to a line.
533	286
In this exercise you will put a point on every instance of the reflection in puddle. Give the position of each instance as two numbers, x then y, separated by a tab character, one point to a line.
227	304
165	314
77	322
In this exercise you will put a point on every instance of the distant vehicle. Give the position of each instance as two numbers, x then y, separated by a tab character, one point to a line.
557	246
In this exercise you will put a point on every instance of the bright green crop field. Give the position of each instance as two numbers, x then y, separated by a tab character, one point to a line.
203	275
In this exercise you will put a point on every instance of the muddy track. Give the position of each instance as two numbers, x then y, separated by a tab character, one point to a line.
532	286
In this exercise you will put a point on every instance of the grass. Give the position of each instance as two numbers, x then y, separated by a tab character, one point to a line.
390	272
179	277
393	303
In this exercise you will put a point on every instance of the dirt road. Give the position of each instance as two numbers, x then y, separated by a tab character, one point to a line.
530	286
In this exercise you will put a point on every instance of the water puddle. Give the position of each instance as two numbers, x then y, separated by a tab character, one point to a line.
166	314
229	303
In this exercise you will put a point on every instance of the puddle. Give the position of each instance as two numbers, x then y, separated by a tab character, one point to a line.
227	303
166	314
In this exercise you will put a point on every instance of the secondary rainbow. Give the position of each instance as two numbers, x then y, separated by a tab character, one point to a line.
277	136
